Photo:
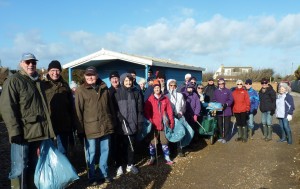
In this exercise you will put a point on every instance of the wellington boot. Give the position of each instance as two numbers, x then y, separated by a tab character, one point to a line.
289	137
245	130
269	136
250	133
239	138
265	130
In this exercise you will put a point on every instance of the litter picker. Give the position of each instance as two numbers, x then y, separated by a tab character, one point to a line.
131	146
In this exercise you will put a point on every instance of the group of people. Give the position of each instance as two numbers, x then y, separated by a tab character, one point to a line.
36	109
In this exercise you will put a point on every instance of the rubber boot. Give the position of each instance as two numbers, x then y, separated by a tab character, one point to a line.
250	133
289	135
269	136
265	130
180	152
15	183
245	130
239	138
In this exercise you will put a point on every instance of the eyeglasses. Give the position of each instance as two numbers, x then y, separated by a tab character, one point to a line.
200	88
33	62
247	84
239	84
193	82
172	85
264	83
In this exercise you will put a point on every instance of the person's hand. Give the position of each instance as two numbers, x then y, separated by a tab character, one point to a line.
272	112
224	106
195	118
17	139
140	126
179	115
289	117
172	127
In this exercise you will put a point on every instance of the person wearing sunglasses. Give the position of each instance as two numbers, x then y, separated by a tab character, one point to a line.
254	103
26	116
223	95
267	106
241	107
209	89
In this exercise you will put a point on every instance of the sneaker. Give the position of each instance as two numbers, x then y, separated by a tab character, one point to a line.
224	141
282	140
120	171
107	180
170	162
92	182
220	140
151	161
132	169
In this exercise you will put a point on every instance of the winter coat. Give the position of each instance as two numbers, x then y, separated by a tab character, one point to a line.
284	104
223	96
94	110
176	99
241	101
193	106
130	109
24	108
60	102
209	91
267	99
254	99
155	109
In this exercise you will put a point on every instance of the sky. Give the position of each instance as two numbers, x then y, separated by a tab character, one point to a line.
262	34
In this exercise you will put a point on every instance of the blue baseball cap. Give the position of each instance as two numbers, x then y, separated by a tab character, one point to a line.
28	56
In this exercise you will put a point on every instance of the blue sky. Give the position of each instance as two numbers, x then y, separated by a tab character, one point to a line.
261	34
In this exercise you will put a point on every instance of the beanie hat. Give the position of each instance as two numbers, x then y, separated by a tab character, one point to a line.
264	81
221	80
248	81
151	78
114	74
54	64
156	83
161	75
131	71
210	79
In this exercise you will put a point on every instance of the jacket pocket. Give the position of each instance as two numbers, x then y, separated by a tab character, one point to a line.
32	127
92	127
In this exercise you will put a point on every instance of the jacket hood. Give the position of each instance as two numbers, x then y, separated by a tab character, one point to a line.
168	82
123	76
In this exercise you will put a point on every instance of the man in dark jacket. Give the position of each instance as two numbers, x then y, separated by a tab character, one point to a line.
162	78
267	106
94	110
60	102
25	113
209	90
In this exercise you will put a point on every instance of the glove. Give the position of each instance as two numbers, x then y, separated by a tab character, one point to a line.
272	112
254	112
289	117
195	118
224	106
172	127
140	126
17	139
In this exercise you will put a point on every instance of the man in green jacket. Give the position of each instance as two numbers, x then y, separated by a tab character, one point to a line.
24	111
60	102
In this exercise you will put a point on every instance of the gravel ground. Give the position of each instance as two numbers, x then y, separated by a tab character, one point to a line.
255	164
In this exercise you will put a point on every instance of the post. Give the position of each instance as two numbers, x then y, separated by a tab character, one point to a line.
70	74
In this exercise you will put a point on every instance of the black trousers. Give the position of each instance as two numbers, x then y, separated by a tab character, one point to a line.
241	119
225	124
123	151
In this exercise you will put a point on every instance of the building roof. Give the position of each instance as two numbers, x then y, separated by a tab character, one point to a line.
103	56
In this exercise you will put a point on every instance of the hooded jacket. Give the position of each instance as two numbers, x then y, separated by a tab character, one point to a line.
155	109
254	99
176	99
209	91
130	108
24	108
192	105
94	110
267	99
284	105
241	100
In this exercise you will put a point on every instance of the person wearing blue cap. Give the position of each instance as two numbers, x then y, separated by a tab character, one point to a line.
24	111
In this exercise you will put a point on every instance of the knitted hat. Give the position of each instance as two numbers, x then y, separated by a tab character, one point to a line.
264	81
221	80
131	71
54	64
248	81
156	83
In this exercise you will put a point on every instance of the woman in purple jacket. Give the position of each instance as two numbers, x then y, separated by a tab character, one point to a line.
223	96
193	108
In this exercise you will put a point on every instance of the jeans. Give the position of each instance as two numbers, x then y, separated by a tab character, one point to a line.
23	161
90	148
285	129
266	118
250	121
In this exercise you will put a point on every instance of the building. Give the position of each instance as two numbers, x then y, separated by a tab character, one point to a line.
107	61
231	73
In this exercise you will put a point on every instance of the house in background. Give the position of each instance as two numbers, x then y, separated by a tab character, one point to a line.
231	73
106	61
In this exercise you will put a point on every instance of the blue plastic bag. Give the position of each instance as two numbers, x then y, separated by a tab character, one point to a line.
214	106
178	132
53	170
189	133
145	130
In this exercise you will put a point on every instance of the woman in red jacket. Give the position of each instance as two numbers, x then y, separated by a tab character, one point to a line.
156	107
241	110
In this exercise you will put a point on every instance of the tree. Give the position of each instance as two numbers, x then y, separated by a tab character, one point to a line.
297	73
77	75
